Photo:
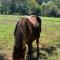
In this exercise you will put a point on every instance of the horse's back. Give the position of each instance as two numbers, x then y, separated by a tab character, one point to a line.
30	27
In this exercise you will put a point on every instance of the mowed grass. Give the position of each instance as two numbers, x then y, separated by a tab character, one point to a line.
50	34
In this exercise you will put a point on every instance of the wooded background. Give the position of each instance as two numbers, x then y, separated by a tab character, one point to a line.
27	7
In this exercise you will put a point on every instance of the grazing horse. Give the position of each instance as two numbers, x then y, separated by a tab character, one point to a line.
27	30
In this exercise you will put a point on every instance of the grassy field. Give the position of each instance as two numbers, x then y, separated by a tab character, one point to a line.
50	35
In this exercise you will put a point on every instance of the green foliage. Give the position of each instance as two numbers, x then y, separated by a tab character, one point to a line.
34	8
44	9
28	7
52	9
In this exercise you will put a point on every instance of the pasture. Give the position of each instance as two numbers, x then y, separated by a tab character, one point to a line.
50	36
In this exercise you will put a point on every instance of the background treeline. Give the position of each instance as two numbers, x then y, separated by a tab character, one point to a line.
27	7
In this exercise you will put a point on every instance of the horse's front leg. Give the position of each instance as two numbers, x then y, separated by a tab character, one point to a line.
37	42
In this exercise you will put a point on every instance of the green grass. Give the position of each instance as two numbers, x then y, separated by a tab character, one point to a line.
50	34
51	30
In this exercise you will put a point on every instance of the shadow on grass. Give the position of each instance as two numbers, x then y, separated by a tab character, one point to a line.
43	53
1	57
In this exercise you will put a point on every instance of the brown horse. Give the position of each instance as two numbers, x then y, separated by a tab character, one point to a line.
27	30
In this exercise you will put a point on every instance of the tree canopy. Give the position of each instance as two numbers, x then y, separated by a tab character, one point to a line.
27	7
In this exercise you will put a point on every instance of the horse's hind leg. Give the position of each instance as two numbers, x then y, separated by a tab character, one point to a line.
29	51
37	41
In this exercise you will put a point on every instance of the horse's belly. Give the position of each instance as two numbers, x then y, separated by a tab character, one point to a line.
31	35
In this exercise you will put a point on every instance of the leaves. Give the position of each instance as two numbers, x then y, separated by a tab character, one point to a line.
27	7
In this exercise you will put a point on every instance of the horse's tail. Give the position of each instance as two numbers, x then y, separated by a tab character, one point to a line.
16	28
18	47
19	34
21	38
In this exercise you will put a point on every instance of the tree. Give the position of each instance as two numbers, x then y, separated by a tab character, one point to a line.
12	7
27	7
44	9
57	3
3	7
52	9
34	7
